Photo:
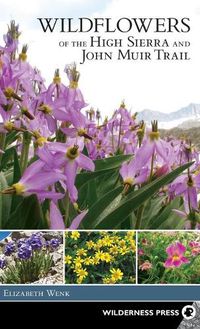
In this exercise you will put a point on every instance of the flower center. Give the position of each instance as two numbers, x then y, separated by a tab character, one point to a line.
8	92
81	132
128	181
72	152
23	57
8	126
190	182
57	80
123	106
154	135
19	188
46	109
41	141
73	84
175	257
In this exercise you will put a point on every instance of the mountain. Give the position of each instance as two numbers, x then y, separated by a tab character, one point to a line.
194	123
190	114
192	134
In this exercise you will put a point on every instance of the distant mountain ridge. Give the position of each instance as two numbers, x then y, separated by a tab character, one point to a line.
192	134
172	119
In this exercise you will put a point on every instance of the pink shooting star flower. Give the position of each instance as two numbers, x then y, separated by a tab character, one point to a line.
131	176
80	125
191	218
56	88
36	180
153	145
11	38
188	187
73	95
51	110
175	255
67	157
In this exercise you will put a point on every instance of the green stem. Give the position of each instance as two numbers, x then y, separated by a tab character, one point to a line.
163	276
66	202
132	222
2	144
25	151
139	216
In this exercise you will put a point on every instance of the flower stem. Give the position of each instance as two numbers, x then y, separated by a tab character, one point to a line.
66	202
25	151
2	144
139	216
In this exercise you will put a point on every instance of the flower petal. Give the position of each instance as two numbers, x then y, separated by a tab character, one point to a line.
168	263
144	154
56	220
177	263
34	168
85	162
42	180
180	248
185	260
70	172
77	220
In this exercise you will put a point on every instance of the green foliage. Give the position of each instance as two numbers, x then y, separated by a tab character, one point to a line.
101	192
30	270
152	249
100	257
135	199
28	215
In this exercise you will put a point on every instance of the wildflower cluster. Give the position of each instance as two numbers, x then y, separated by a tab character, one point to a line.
169	257
103	257
54	147
32	258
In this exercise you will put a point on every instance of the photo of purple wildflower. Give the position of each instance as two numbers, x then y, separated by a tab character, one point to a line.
31	257
63	166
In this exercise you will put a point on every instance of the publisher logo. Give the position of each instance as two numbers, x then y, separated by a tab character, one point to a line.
188	312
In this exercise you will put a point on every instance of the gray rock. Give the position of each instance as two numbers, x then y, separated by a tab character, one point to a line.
55	279
51	235
56	257
10	260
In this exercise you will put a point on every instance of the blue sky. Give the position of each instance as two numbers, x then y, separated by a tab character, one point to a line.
164	86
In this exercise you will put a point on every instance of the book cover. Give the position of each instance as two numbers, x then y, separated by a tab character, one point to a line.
99	155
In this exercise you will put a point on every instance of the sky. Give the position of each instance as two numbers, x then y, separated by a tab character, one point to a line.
156	85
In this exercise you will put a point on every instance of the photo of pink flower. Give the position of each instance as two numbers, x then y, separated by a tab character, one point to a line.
176	255
65	165
168	257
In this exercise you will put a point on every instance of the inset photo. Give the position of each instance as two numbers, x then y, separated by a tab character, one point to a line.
31	257
169	257
100	257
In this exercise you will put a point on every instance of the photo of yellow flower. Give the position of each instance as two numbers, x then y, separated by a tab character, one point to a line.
101	257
